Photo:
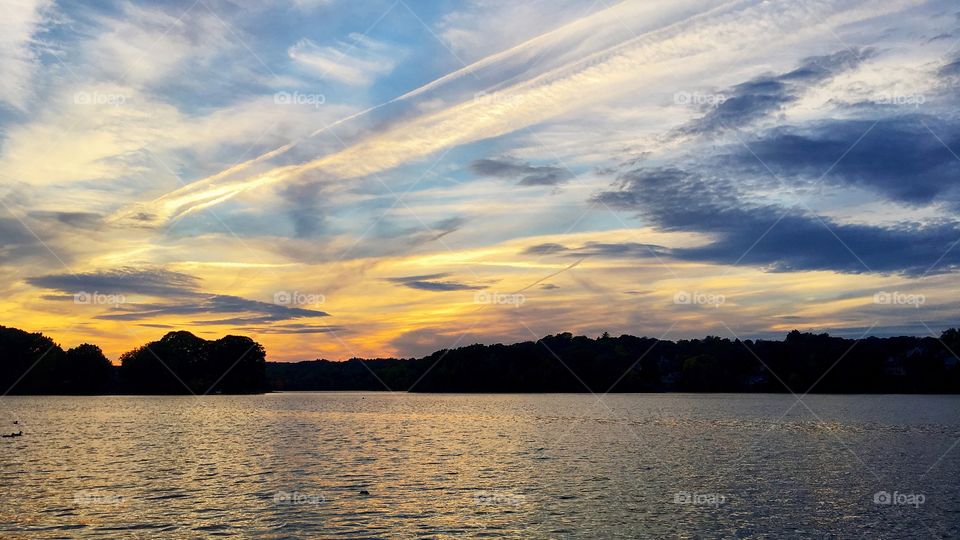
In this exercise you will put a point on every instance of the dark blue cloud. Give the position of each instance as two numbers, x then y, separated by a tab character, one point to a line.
306	208
149	281
763	96
79	220
777	238
525	173
897	153
181	293
951	69
430	283
545	249
217	304
906	159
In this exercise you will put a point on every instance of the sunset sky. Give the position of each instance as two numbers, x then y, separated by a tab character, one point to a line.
383	178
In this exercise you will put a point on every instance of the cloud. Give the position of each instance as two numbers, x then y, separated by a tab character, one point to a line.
777	238
600	249
545	249
180	292
80	220
898	157
951	69
420	233
112	145
601	74
524	173
20	21
217	304
296	329
619	249
305	208
150	281
430	283
13	233
357	62
146	45
763	96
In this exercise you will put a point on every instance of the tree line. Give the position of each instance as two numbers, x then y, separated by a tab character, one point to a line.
566	363
179	363
182	363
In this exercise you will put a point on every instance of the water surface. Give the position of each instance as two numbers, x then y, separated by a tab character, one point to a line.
293	465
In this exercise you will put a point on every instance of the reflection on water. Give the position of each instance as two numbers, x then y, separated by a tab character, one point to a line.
524	466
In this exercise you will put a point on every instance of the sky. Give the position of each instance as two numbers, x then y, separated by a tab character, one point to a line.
389	178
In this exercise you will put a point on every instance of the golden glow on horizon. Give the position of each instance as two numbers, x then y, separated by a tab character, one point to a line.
372	313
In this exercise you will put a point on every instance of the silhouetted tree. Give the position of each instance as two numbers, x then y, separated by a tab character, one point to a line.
87	371
182	363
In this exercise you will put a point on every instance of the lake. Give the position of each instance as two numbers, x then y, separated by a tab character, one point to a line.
293	465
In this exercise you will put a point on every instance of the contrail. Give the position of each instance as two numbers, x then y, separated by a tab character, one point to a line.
201	194
557	273
591	78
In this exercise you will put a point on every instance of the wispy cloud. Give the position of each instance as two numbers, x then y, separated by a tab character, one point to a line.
356	62
20	20
433	282
217	304
151	281
604	73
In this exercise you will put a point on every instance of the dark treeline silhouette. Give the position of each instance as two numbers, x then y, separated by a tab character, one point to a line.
33	364
181	363
567	363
